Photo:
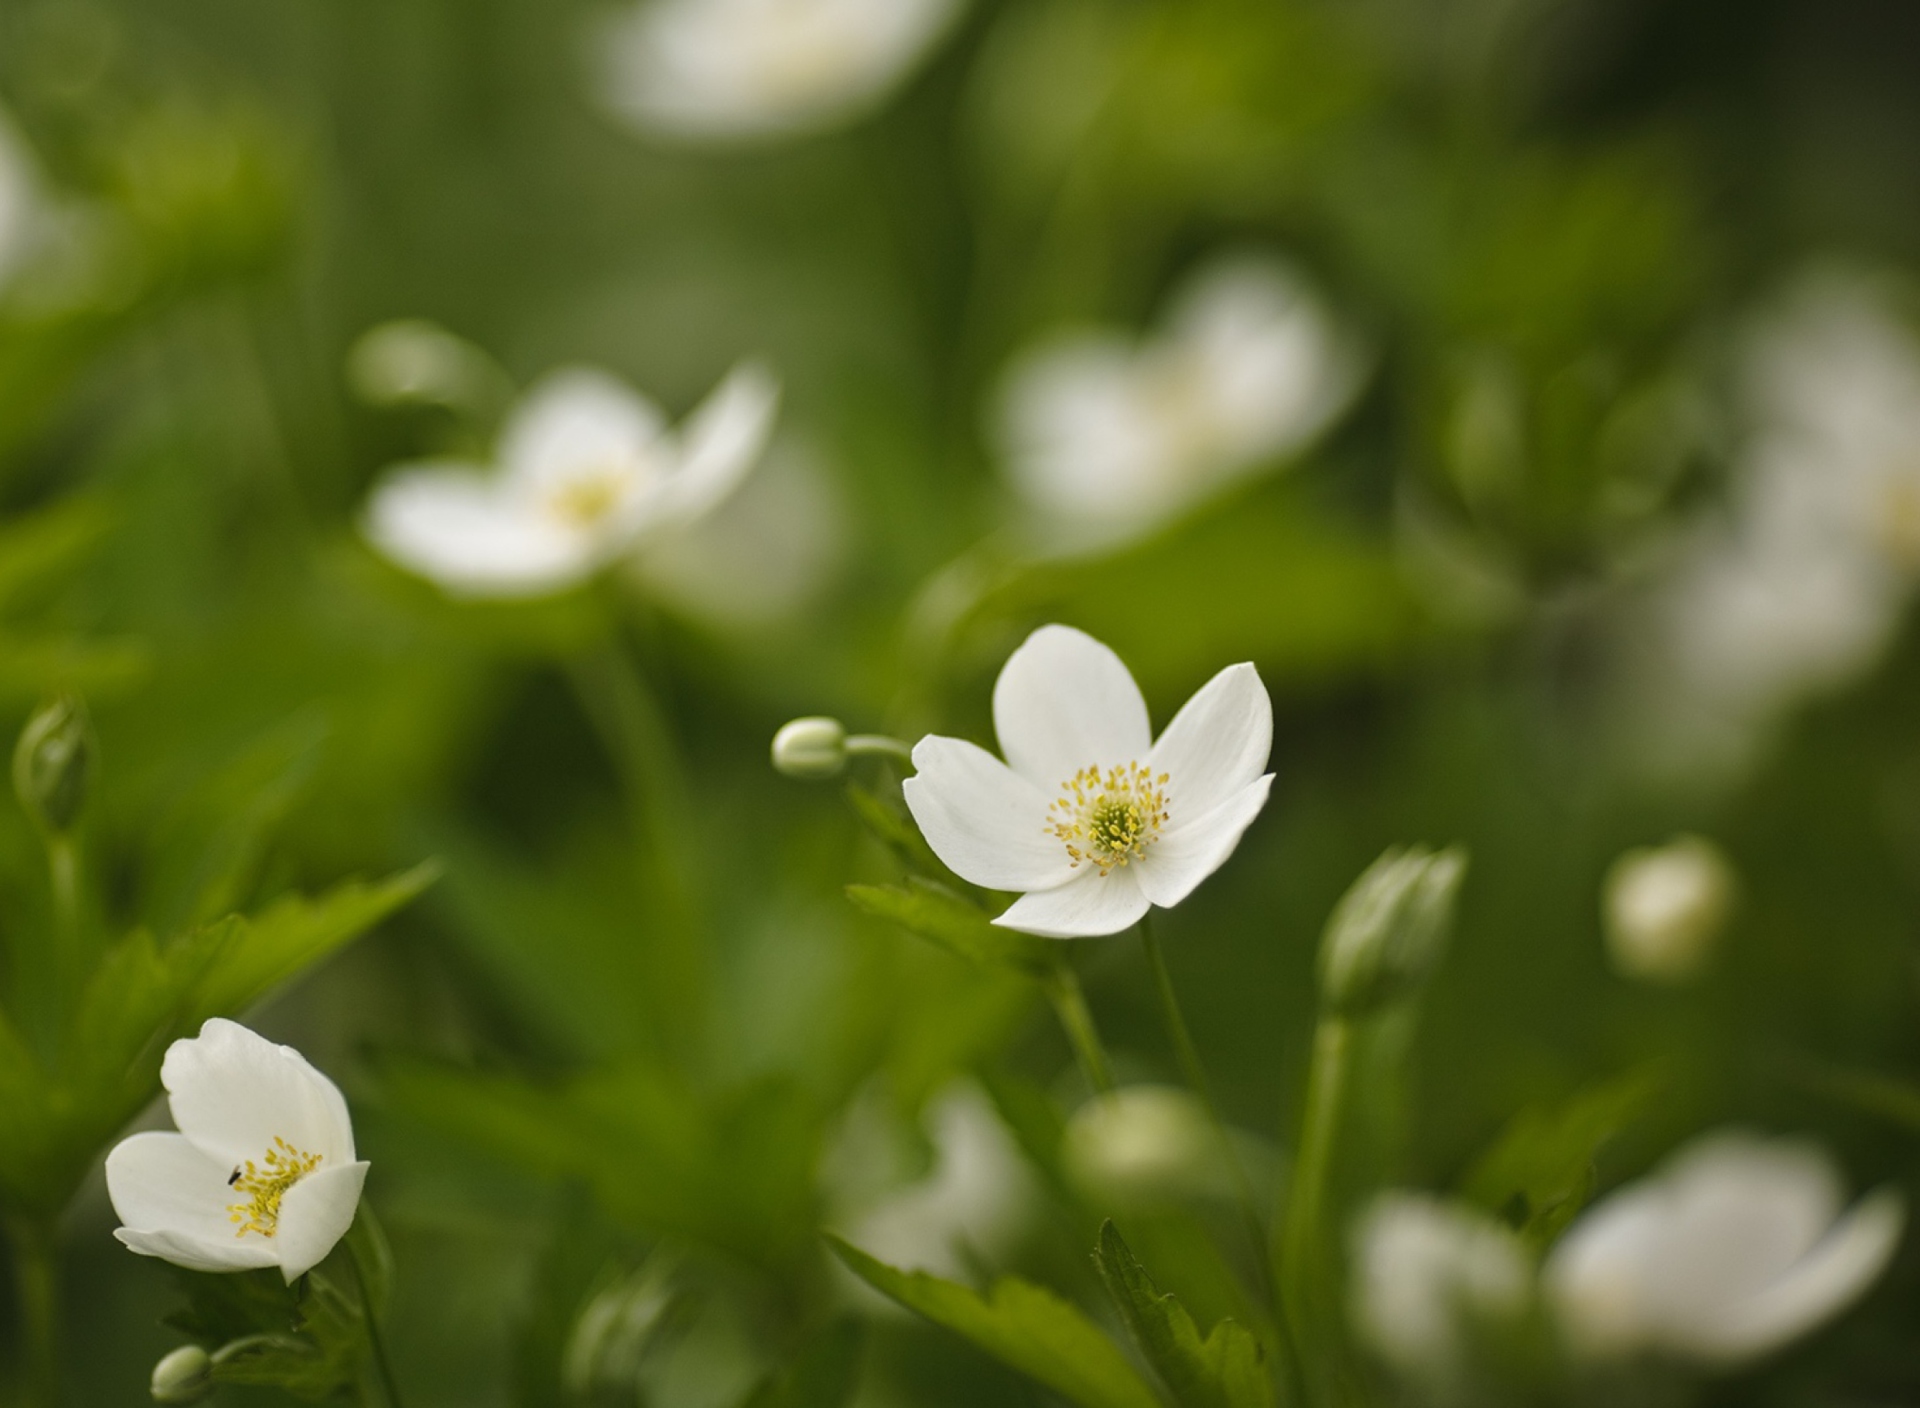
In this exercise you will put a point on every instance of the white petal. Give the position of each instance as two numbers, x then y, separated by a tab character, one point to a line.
1216	744
579	420
1086	907
1064	702
722	441
197	1254
449	524
314	1214
1187	854
984	820
233	1092
162	1185
1831	1277
1597	1274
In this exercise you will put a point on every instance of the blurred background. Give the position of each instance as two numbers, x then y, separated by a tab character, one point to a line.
1568	501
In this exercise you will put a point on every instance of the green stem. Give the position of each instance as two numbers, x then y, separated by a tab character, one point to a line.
879	745
63	865
1305	1272
1195	1075
36	1266
1062	987
376	1345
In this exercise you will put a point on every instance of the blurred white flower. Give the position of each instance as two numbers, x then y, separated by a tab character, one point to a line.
1430	1277
1090	816
262	1172
1735	1247
1108	437
586	469
979	1193
1665	906
1800	588
21	211
746	69
1152	1145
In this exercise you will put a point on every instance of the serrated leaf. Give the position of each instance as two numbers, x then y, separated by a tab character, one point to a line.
1024	1326
956	924
1225	1370
1540	1172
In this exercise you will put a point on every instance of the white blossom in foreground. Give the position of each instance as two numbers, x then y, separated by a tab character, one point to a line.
262	1172
1431	1277
1088	815
586	469
753	69
1800	586
1737	1246
1664	908
1108	437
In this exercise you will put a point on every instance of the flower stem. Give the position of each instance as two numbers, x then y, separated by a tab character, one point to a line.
1304	1270
1062	987
376	1346
879	745
36	1269
1195	1075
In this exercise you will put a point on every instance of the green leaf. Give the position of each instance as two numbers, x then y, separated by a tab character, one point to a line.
935	912
889	821
1225	1370
1022	1325
824	1376
1540	1172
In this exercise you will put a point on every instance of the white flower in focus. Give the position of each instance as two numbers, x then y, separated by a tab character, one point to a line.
745	69
1090	816
1735	1247
1429	1277
1107	437
262	1172
1665	906
586	469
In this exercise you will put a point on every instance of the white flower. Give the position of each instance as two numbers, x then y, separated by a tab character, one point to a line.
262	1172
1108	437
1735	1247
1145	1146
1090	816
745	69
586	469
1665	906
1429	1276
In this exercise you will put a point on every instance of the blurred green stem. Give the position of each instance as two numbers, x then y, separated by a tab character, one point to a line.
376	1345
1062	987
36	1268
1195	1075
63	866
1304	1271
879	745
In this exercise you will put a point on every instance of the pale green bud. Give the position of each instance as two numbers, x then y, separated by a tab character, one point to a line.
1144	1146
52	763
1666	906
414	362
1389	929
184	1376
811	748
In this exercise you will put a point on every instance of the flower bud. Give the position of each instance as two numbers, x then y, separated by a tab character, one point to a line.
811	748
1665	906
52	761
184	1376
414	362
1144	1146
1388	930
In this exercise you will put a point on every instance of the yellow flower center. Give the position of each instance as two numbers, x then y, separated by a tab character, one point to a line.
266	1186
1109	819
584	501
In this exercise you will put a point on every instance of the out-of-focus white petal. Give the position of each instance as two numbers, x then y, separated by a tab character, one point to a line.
1064	702
984	820
1086	907
1217	744
1191	851
721	442
314	1214
161	1183
450	525
233	1093
19	199
743	69
1427	1274
580	419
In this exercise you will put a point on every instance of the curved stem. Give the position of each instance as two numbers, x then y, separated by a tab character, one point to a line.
376	1345
1062	987
879	745
36	1269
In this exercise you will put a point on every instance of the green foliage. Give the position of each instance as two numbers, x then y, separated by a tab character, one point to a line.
825	1374
956	924
1023	1325
1227	1369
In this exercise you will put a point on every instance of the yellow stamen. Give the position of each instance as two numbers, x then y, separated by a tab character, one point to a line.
265	1187
1109	819
591	497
